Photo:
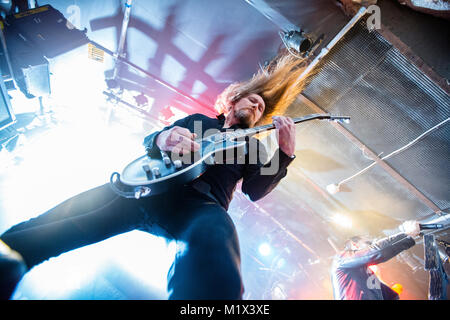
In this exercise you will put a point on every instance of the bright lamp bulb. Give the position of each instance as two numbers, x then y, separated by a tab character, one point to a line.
342	220
264	249
333	188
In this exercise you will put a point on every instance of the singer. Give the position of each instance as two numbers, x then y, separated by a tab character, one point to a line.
352	278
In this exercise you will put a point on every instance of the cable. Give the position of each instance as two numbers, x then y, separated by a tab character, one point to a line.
396	151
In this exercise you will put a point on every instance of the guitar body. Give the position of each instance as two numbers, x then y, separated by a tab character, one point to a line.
147	176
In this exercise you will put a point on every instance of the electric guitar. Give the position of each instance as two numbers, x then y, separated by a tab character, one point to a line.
147	176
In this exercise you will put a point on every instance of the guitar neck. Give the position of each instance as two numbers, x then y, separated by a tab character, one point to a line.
241	133
271	126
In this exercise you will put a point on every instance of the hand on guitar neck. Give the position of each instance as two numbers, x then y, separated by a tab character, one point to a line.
181	140
285	131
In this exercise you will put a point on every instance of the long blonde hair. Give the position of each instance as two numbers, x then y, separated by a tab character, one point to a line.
278	83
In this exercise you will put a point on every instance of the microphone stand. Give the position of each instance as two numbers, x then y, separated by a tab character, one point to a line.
438	278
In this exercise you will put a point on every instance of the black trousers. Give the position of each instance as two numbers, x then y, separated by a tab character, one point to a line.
207	262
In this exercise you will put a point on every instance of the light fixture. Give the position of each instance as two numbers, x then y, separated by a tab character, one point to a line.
264	249
342	220
297	40
333	188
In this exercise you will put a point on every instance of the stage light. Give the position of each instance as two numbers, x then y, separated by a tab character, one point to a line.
279	292
342	220
297	40
264	249
333	188
374	268
397	288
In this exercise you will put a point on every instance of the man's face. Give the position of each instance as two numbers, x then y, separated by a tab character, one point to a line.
248	110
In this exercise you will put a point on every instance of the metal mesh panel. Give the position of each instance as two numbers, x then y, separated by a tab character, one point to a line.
326	157
353	56
391	103
426	165
366	77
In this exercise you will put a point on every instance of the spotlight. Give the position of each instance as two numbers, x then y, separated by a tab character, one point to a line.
264	249
333	188
397	288
297	40
341	220
374	268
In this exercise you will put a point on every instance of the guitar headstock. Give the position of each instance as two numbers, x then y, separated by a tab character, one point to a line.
323	116
319	116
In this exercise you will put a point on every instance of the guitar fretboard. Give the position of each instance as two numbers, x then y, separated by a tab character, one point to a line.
241	133
255	130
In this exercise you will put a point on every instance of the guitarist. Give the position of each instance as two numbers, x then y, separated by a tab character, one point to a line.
207	263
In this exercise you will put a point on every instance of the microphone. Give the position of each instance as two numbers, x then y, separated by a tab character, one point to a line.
430	226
